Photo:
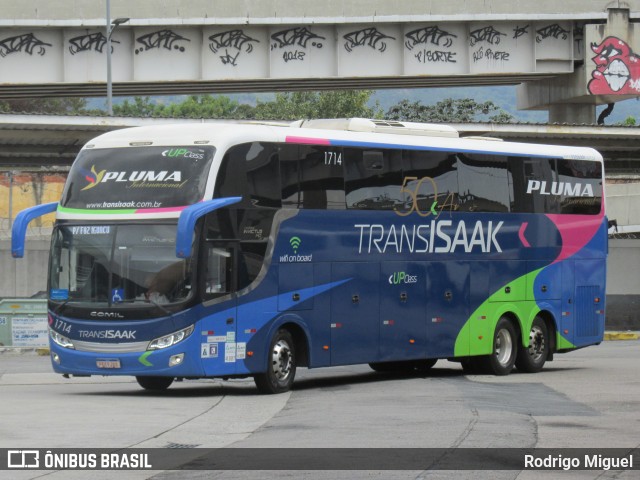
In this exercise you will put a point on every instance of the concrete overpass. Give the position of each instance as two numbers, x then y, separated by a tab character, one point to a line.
569	56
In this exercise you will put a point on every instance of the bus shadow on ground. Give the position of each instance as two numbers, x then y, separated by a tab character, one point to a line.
329	378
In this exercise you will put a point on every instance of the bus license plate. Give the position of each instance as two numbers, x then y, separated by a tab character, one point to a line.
108	363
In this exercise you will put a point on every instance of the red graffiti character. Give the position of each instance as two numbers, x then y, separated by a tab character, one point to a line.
617	69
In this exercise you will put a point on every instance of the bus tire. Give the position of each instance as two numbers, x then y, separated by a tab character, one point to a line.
155	383
505	349
471	365
532	357
281	365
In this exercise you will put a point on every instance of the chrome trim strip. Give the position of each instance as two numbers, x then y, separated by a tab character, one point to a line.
110	347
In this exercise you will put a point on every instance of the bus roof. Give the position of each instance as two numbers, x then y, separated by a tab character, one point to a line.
337	132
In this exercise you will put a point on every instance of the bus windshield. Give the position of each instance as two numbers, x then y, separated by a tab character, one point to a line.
117	264
137	178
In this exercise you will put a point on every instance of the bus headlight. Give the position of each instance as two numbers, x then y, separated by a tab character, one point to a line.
171	339
60	339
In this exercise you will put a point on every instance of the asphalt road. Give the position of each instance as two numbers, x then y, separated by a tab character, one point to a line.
589	398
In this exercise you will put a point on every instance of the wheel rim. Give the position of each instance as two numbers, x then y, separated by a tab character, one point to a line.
536	343
504	347
281	360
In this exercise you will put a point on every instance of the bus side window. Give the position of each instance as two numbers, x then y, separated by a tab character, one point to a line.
373	179
531	179
579	186
218	275
248	170
483	183
433	177
312	177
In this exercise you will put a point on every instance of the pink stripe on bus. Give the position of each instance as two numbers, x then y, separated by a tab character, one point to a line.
308	140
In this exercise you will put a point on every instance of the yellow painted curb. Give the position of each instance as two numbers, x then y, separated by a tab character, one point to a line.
42	352
621	336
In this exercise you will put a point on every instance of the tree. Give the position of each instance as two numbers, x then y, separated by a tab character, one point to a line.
325	104
630	121
448	111
57	105
285	106
140	107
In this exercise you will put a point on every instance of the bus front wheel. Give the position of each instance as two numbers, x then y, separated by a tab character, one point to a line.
155	383
505	348
531	358
281	365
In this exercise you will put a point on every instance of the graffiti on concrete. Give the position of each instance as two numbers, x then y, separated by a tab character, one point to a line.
427	37
297	40
487	37
552	31
236	40
166	39
370	37
485	34
89	41
27	43
298	36
520	31
617	69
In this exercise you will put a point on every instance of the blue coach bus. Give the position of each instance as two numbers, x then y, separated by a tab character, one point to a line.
245	250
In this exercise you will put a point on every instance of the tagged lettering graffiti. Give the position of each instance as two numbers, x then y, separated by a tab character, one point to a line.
490	55
429	35
437	236
434	36
27	43
371	37
235	39
231	39
166	39
617	69
485	34
295	37
520	31
90	41
551	31
299	36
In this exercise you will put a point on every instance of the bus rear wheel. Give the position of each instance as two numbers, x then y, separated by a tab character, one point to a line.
505	348
532	357
281	365
155	383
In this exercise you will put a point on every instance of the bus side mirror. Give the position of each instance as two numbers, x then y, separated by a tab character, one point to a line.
189	217
20	224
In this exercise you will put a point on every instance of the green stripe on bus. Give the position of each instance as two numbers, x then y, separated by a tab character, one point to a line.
96	212
476	336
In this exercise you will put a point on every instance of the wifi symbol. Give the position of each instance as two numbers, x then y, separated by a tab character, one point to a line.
295	243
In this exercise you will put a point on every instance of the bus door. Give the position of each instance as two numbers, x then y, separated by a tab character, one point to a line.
355	312
589	301
403	305
448	297
218	346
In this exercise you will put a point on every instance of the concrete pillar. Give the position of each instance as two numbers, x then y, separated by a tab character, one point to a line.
567	97
576	113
